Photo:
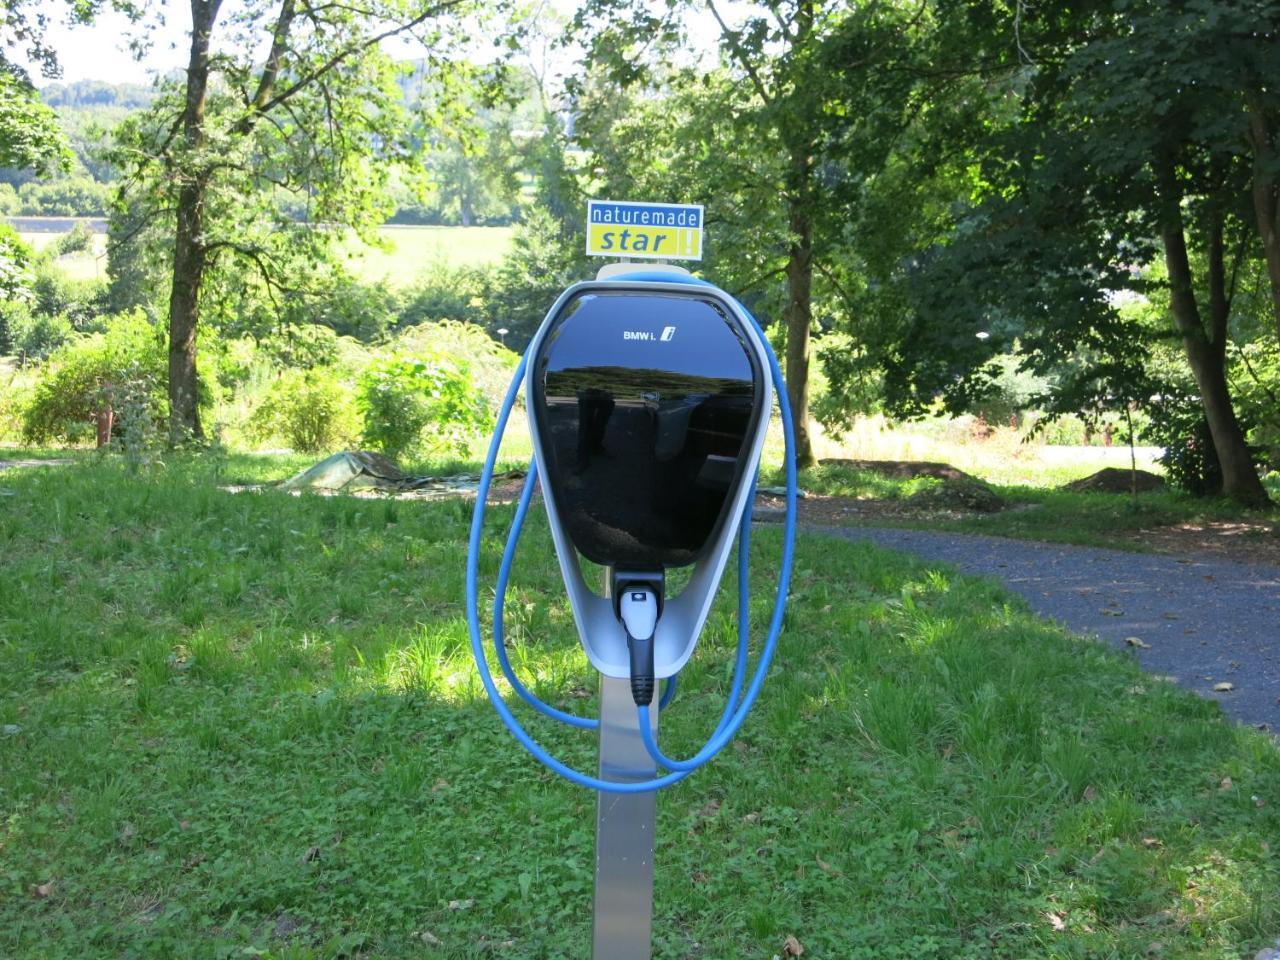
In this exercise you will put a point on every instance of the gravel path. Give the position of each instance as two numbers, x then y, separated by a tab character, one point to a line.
1206	621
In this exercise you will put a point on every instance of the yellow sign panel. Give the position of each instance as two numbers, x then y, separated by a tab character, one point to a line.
653	231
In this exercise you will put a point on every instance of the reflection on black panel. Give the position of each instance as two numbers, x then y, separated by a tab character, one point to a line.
644	403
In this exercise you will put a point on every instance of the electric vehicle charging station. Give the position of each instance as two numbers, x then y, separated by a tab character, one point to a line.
648	395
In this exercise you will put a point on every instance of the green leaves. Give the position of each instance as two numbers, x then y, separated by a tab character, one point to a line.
122	369
413	402
29	133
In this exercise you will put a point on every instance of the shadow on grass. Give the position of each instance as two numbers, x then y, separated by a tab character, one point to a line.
250	723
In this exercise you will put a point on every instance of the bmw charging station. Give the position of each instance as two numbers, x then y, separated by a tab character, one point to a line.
648	395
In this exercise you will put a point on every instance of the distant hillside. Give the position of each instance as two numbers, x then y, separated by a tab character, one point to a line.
469	190
98	93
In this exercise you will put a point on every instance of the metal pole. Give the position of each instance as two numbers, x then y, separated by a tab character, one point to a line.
624	831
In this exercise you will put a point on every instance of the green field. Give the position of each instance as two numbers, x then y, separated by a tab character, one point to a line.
411	250
414	249
248	725
89	265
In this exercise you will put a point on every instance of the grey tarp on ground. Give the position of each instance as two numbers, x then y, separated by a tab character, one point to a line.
356	471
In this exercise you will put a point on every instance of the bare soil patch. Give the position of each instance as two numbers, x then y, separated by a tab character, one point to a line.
1241	541
1115	480
903	469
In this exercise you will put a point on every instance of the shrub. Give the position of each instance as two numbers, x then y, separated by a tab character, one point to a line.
488	363
37	335
308	409
1255	379
443	293
411	403
123	370
542	262
78	239
1190	460
301	346
350	308
82	302
13	396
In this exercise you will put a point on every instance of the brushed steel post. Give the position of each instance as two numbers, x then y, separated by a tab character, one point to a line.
623	925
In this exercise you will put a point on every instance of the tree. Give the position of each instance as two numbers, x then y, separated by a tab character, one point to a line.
319	118
30	136
29	133
1130	146
16	279
804	114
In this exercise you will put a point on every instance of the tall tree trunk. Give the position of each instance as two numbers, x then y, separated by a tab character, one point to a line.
1266	196
799	311
1206	351
190	255
799	318
189	261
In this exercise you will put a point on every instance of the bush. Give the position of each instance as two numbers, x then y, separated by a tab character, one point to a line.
542	262
1190	460
78	239
408	404
82	302
123	370
443	293
37	335
350	308
1255	379
301	346
308	409
13	395
488	363
7	312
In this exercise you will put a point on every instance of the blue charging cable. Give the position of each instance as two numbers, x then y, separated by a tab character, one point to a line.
735	713
669	690
500	601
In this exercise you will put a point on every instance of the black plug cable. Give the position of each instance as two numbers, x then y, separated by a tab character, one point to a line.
638	611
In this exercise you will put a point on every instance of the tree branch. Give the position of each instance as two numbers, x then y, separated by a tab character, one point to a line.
739	54
840	290
759	278
1253	374
268	102
271	69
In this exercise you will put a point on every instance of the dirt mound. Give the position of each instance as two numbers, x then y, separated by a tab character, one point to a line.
1116	480
959	493
902	469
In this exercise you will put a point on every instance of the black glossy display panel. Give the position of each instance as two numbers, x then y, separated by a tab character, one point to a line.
645	403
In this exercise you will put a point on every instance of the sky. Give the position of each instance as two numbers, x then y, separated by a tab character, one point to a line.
101	51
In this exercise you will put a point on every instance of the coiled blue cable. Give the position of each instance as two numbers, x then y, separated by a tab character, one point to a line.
500	601
735	713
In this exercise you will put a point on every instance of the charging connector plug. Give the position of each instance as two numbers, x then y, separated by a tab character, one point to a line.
638	611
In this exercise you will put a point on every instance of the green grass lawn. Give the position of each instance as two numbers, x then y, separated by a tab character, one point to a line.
248	725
